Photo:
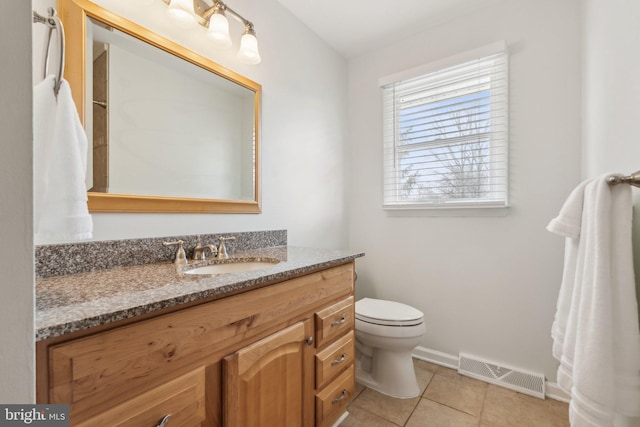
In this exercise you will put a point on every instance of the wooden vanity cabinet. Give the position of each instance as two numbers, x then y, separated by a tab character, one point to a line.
266	357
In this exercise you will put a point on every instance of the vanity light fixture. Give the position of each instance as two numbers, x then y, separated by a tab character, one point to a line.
218	30
182	12
248	52
215	19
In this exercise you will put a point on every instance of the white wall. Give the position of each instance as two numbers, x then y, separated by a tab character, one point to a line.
487	286
611	103
17	351
611	100
303	129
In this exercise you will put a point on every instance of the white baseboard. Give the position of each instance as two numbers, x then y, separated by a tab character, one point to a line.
437	357
552	390
341	419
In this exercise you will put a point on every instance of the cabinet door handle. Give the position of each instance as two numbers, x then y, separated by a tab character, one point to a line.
339	322
164	421
340	398
339	361
309	341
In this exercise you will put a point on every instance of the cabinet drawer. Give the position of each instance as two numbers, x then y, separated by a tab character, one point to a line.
334	320
332	401
182	399
334	359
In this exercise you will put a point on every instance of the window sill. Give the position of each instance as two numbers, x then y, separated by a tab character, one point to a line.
450	211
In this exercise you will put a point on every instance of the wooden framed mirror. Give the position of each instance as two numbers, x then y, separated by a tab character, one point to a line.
169	130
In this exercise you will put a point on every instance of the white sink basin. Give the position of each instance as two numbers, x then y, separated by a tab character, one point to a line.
230	267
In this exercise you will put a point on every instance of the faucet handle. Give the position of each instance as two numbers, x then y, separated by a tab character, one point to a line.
222	249
181	256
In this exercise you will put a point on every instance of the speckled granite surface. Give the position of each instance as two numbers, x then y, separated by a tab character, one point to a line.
71	258
72	302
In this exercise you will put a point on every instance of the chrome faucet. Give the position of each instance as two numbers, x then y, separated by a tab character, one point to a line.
199	250
222	249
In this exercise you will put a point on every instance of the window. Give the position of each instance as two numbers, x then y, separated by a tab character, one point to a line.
445	133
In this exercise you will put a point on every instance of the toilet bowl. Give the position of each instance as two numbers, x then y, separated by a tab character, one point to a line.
386	334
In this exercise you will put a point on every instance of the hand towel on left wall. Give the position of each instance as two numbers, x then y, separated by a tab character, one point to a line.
60	164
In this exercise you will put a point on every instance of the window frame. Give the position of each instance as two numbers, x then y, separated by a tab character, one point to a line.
497	131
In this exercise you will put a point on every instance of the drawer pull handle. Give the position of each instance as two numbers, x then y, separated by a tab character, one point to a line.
339	361
164	421
339	322
340	398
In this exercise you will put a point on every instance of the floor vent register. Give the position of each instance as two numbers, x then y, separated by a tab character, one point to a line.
516	379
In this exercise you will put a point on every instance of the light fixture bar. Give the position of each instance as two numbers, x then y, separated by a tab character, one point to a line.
203	13
219	5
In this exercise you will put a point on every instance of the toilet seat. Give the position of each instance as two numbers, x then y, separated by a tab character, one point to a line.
387	313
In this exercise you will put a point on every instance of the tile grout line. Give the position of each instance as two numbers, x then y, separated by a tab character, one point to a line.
372	413
478	417
418	402
484	400
378	416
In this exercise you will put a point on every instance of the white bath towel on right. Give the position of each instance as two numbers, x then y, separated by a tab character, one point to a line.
600	344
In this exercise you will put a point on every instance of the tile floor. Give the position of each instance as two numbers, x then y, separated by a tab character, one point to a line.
451	400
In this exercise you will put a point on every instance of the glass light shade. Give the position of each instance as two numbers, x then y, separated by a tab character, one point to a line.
248	52
218	30
182	12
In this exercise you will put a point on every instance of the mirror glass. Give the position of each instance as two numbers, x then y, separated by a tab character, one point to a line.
168	130
165	127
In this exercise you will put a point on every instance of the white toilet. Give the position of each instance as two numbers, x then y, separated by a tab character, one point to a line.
386	334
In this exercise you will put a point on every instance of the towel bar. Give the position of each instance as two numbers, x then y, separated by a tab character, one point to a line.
633	179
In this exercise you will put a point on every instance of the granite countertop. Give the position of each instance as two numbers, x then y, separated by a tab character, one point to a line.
74	302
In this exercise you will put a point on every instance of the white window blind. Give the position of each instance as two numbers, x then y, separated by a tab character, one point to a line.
445	135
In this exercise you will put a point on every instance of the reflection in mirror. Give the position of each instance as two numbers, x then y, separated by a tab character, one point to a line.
172	131
165	127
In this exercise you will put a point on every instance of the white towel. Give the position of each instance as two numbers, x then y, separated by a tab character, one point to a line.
567	224
60	164
595	331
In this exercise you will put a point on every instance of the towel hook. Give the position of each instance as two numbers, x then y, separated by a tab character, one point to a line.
53	23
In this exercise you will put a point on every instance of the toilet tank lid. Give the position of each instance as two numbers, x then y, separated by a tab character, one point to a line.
386	310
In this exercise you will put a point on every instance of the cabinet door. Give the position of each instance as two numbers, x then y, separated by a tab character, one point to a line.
270	382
